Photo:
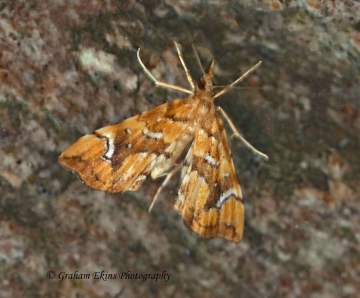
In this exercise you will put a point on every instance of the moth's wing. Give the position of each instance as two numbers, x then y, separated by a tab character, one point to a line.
210	199
119	157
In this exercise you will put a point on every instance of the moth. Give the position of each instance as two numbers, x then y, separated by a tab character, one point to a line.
119	157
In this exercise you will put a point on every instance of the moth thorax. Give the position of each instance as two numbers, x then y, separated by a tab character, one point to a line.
205	83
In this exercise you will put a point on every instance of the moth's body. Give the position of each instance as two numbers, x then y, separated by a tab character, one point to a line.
119	157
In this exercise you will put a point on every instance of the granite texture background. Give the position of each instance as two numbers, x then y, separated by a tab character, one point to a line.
70	67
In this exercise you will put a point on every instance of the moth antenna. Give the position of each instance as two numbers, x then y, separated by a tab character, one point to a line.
198	58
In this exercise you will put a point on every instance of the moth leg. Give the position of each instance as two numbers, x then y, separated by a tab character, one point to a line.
184	66
237	134
165	182
226	89
158	83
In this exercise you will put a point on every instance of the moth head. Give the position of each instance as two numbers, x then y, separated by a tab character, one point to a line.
206	83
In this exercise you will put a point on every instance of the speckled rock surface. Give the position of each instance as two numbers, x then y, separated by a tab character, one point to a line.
69	67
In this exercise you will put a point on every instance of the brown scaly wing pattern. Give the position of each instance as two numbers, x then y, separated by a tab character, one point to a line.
119	157
210	199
